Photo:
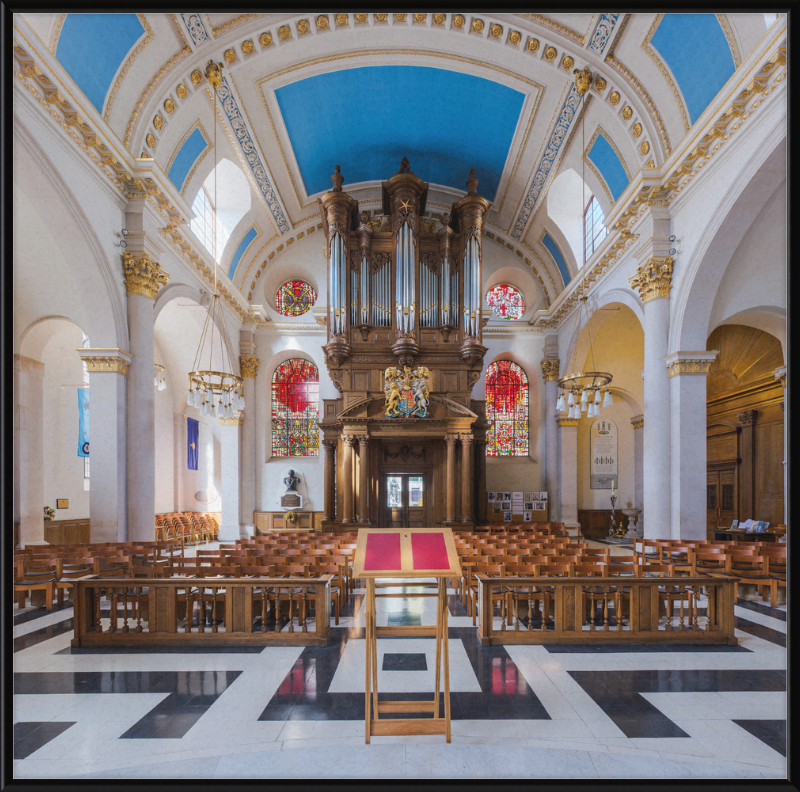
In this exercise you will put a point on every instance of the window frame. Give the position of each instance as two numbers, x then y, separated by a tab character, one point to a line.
597	231
281	424
513	418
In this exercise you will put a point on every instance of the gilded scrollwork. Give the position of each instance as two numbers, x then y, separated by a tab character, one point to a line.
143	275
653	279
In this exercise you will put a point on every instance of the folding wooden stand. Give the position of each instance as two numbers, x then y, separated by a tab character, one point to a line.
406	553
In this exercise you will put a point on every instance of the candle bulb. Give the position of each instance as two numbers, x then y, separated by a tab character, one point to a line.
612	489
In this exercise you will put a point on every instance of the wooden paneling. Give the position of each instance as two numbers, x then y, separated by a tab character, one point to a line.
596	523
276	521
769	473
66	531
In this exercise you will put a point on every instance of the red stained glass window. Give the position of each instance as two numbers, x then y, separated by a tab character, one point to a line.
506	409
295	396
295	298
505	301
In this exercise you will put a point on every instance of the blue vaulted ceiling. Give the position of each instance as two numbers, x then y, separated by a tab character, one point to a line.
698	55
605	159
92	47
367	119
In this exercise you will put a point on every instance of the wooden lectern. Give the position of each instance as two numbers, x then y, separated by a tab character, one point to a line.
406	553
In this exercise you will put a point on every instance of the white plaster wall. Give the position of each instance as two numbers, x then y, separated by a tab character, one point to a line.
63	468
164	450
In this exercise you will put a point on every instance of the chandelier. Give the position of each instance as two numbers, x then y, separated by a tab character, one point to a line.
587	390
217	393
159	379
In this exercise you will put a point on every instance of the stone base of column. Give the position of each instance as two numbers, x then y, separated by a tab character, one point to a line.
572	529
248	531
453	523
366	522
229	533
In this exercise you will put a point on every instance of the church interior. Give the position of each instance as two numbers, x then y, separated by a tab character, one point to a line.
284	330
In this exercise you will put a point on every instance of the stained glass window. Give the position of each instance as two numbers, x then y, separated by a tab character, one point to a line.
295	298
505	301
506	409
295	396
593	227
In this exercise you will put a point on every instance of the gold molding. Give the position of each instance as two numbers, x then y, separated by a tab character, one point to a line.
601	179
112	96
558	27
653	279
637	422
613	145
639	88
392	52
231	23
237	420
249	366
666	72
106	365
563	421
727	29
689	366
550	368
52	44
143	275
558	247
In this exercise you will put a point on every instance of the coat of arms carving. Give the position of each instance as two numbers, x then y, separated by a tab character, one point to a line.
407	392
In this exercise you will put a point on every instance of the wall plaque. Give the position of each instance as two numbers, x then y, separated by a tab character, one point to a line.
603	439
291	500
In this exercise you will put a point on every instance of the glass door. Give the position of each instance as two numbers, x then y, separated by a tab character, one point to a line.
404	501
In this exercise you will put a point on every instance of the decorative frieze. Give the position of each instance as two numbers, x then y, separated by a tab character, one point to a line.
653	279
249	366
143	275
637	422
680	363
550	368
237	420
563	420
100	360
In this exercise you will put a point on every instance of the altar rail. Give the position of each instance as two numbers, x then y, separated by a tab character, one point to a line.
642	606
153	611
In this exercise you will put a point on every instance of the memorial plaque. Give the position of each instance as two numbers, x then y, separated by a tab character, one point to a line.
603	439
291	500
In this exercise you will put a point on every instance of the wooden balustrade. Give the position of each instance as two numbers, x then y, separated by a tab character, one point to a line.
160	611
640	612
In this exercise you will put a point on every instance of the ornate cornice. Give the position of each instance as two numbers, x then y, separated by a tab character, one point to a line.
249	366
102	360
747	418
143	275
550	368
637	422
680	363
653	279
237	420
780	374
562	420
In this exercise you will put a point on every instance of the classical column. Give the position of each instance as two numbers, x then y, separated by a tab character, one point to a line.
467	488
567	470
550	367
108	383
450	442
687	375
480	478
780	374
231	445
747	479
638	467
143	278
248	364
179	459
330	480
348	442
29	448
363	478
653	280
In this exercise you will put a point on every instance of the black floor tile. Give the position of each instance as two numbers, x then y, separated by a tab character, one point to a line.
45	634
760	631
638	649
761	607
771	732
404	618
29	736
396	661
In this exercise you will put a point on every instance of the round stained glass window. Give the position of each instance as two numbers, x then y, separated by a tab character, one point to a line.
295	298
505	301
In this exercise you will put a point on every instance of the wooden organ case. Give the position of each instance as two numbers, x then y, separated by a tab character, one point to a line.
404	299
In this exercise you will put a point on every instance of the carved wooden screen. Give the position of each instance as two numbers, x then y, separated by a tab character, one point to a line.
295	396
506	409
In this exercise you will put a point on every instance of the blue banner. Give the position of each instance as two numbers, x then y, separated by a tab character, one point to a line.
192	428
83	422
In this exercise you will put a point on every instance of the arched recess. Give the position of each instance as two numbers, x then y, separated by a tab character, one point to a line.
566	201
730	221
97	283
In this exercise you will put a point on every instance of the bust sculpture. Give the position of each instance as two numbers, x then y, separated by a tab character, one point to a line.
291	482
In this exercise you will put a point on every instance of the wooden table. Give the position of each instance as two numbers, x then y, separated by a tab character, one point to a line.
406	553
737	535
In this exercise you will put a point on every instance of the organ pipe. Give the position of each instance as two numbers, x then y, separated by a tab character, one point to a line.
404	288
337	285
364	290
445	313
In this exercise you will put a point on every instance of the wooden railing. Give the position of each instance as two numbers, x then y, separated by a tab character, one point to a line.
608	610
161	611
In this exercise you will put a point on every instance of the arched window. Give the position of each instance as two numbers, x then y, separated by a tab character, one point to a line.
593	227
506	409
295	298
295	396
505	301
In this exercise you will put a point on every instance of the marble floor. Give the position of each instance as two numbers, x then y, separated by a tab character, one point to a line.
578	712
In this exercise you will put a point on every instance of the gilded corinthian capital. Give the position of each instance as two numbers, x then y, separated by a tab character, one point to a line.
143	275
653	279
550	369
248	365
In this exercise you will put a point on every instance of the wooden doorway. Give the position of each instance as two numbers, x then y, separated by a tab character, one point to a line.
721	498
404	499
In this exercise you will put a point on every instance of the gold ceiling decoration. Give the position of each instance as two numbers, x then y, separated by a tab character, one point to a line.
550	53
265	39
477	25
637	129
644	148
361	18
627	112
439	19
341	19
496	31
400	17
614	98
568	62
515	37
247	47
600	84
381	17
158	122
197	77
284	32
150	140
182	91
230	55
169	105
322	22
533	44
458	21
420	17
303	26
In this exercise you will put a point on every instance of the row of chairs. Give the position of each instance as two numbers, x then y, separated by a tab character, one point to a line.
187	527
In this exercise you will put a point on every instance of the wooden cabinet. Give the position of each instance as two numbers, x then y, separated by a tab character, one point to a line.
596	523
66	532
276	521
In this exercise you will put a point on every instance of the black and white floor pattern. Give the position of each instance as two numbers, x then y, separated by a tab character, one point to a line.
288	712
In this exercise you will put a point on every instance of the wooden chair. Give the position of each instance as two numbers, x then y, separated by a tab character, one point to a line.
668	595
206	593
293	593
530	594
70	570
498	592
35	576
316	570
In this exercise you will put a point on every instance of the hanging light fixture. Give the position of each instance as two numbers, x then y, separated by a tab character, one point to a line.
588	390
158	371
216	392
